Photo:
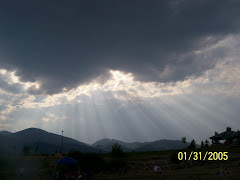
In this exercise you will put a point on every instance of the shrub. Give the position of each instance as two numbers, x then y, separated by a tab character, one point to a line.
88	160
117	150
116	164
174	157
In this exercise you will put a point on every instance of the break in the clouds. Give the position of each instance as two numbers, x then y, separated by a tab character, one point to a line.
129	70
63	44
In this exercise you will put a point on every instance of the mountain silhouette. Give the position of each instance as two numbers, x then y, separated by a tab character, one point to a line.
106	145
43	141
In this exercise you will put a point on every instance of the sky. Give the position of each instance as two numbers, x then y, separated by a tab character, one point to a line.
128	70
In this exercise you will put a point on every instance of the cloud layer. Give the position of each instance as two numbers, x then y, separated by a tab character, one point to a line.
63	44
116	69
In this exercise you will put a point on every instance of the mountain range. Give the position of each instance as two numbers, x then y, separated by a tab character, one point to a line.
106	145
40	141
48	143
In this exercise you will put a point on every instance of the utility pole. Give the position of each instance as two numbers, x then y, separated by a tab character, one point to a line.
62	142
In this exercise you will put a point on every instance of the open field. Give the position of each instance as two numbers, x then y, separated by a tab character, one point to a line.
134	165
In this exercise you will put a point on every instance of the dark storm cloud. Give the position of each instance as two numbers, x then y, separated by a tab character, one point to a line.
66	43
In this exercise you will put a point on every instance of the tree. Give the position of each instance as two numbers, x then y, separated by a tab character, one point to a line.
26	150
206	143
36	149
202	144
117	149
184	141
192	145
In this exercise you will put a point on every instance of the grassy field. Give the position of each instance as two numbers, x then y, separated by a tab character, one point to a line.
134	165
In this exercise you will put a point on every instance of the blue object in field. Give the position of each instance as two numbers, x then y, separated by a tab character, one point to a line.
67	160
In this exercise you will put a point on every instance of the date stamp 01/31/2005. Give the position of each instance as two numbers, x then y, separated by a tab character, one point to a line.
210	156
